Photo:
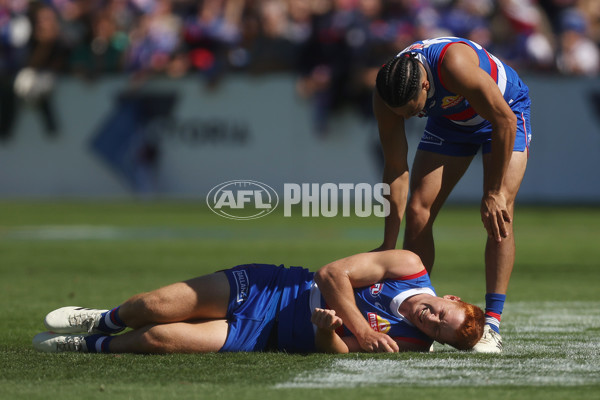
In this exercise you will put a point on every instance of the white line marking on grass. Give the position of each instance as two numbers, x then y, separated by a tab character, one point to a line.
60	232
449	371
546	343
98	232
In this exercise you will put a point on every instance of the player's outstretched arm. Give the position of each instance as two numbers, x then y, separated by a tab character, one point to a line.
461	74
338	279
395	171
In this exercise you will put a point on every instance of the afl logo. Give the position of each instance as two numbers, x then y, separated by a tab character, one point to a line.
242	199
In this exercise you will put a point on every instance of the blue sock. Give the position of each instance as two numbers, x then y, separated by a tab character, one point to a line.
98	343
110	322
494	304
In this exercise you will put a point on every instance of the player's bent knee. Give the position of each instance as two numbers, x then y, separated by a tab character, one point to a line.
418	209
145	308
157	301
417	216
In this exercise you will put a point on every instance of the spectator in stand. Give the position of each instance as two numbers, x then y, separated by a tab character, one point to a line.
332	45
299	21
523	36
15	32
104	52
271	48
578	54
328	59
383	32
211	33
47	56
590	9
553	9
155	40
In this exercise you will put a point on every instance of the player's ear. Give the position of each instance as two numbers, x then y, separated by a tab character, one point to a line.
451	297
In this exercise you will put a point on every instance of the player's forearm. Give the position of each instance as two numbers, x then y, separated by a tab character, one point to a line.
336	288
327	341
397	199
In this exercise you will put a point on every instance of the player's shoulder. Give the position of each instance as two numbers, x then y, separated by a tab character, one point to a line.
459	54
403	264
459	64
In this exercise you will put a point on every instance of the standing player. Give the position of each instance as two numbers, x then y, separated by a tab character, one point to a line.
473	101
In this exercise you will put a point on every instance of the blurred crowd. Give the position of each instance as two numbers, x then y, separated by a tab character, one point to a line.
333	46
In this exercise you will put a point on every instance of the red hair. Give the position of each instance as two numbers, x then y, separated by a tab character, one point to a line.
471	330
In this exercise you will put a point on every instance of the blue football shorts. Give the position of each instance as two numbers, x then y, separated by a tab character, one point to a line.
443	137
253	304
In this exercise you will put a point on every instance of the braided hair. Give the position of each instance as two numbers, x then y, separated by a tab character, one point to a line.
398	80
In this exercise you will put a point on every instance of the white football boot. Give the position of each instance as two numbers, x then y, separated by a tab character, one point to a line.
49	342
73	320
490	342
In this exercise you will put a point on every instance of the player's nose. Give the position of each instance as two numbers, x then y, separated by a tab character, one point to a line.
433	316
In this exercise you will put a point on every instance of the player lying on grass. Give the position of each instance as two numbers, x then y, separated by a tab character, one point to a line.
383	302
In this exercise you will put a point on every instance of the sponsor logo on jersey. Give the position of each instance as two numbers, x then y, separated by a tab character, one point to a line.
378	324
451	101
376	289
242	284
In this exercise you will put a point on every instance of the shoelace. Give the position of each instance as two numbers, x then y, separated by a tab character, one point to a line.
86	321
71	343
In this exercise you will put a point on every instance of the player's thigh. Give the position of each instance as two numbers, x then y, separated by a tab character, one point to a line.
212	294
514	174
205	297
433	177
188	337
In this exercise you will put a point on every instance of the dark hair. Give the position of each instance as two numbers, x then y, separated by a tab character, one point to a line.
398	80
471	330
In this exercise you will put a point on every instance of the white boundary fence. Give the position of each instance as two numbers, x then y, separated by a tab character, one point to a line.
258	129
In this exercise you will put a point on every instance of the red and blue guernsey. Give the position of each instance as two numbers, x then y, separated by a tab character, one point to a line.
452	111
378	303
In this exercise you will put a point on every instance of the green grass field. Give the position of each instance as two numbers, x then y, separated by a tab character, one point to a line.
97	254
